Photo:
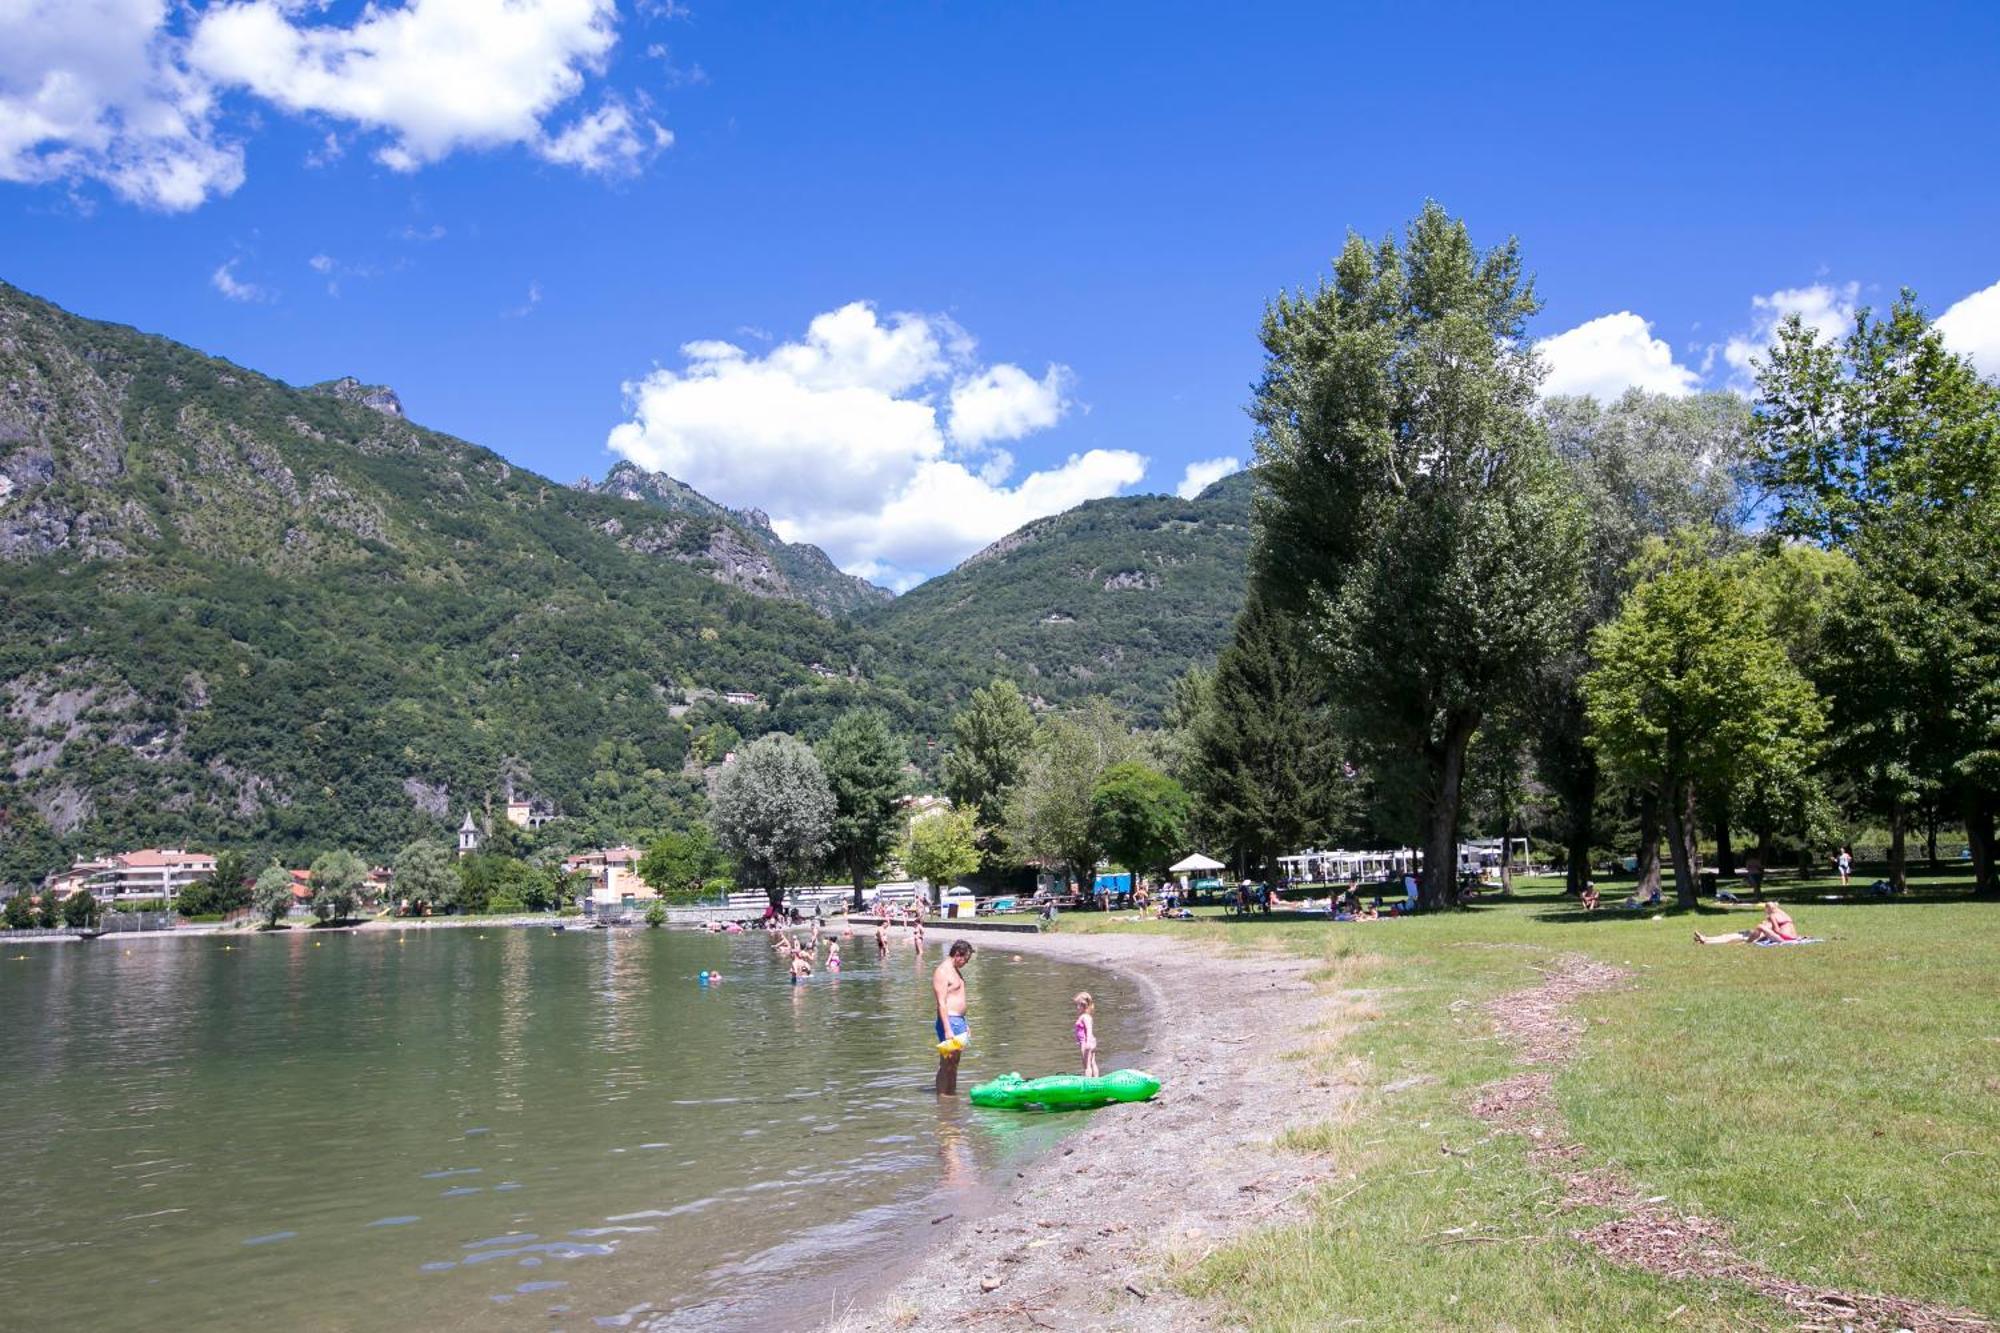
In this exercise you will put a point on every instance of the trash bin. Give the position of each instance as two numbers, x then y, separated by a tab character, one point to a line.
1708	883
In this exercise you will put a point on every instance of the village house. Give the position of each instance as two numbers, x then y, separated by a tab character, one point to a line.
611	876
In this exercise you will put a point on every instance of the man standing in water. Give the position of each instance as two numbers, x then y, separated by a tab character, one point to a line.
948	984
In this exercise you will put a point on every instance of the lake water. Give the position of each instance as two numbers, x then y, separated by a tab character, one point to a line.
437	1129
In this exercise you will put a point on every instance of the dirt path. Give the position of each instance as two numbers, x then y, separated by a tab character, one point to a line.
1082	1238
1651	1233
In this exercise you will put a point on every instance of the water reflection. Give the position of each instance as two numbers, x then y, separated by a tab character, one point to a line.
427	1108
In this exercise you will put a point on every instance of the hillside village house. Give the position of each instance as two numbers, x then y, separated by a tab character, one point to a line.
150	872
612	876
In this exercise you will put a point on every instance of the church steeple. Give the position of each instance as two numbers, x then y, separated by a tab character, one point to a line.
468	836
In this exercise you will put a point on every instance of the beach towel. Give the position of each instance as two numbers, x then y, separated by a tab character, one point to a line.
1775	944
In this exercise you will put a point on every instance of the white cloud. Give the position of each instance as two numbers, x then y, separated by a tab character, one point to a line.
434	232
838	436
320	263
224	280
1972	328
1201	475
126	92
527	307
1005	402
95	90
1604	357
1826	309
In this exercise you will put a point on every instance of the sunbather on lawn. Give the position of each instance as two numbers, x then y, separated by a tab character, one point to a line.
1776	928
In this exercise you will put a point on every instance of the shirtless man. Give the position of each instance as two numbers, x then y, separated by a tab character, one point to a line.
948	984
917	939
882	936
1776	927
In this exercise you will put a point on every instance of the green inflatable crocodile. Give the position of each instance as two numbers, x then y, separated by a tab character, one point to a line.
1066	1092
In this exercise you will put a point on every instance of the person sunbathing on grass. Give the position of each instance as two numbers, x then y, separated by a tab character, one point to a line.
1776	928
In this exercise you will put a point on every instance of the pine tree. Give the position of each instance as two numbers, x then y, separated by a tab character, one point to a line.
1265	755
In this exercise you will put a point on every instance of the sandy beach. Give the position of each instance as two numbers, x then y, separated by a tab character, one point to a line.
1086	1238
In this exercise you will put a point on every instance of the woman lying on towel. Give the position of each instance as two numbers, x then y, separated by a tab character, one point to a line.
1775	928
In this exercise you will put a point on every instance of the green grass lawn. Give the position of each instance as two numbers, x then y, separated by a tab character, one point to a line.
1837	1105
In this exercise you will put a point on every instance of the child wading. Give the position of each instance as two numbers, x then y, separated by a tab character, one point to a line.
1086	1032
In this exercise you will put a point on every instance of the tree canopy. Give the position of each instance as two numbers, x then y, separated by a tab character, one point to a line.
863	764
773	813
1414	516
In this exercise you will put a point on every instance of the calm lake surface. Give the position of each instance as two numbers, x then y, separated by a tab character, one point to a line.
438	1129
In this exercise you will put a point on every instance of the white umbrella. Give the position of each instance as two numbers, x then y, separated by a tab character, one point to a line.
1195	862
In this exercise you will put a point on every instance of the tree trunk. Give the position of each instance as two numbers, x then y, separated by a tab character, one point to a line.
1725	850
1507	853
1649	847
1582	802
1930	838
1979	834
1899	877
1680	840
1447	763
859	878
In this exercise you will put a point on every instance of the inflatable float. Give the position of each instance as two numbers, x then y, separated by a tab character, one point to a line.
1065	1092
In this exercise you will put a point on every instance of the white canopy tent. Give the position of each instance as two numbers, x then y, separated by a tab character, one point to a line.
1196	862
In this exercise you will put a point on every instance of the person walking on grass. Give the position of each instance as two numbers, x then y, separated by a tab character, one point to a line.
953	1032
1086	1032
1844	863
1777	927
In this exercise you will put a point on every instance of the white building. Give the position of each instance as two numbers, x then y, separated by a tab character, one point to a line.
612	876
150	872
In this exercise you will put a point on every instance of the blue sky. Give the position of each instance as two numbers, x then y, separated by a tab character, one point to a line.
1036	239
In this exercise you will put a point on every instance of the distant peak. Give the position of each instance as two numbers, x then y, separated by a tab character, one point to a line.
756	518
347	389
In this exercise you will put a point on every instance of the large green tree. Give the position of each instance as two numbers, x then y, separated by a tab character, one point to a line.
19	912
682	864
991	738
1690	694
1265	763
1413	516
863	764
1051	811
772	812
226	889
337	878
942	847
1141	816
80	910
1646	466
1885	444
425	878
271	895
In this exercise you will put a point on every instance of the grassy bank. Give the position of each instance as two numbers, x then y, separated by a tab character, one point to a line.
1834	1105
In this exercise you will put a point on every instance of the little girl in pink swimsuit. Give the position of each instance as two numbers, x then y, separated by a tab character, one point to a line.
1086	1032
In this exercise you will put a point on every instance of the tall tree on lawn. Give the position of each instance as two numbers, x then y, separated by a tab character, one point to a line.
1885	444
864	769
1412	516
1265	763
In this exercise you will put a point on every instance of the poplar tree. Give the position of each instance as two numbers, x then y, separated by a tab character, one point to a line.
1412	514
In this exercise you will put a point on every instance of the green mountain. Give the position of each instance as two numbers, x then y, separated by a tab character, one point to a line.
1115	597
738	545
240	612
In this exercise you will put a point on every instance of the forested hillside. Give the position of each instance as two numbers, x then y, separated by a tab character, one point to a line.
238	612
1115	597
